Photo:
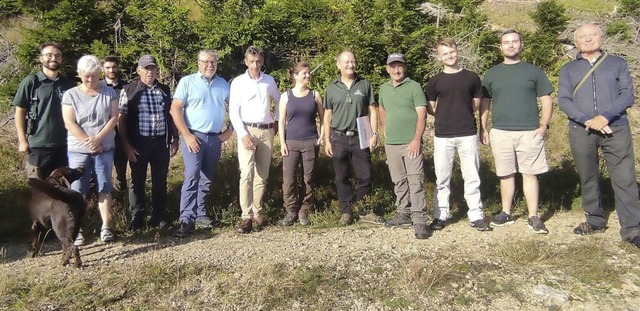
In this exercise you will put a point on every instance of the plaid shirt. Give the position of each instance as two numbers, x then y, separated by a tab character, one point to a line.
151	120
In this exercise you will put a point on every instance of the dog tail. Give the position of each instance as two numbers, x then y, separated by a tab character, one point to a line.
56	192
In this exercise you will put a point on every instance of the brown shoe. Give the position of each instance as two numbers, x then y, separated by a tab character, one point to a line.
303	216
259	222
345	219
244	226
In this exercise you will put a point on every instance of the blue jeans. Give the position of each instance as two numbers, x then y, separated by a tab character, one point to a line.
199	169
100	163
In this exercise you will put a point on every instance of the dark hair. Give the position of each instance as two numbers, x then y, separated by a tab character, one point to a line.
50	44
510	31
297	68
111	59
254	50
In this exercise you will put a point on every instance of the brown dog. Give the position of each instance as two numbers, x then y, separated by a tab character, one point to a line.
55	206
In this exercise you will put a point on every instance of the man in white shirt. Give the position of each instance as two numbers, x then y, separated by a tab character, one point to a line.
252	118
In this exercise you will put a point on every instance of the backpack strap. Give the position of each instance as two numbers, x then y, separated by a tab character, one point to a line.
588	74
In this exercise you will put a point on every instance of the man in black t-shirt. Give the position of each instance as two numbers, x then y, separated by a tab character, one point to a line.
454	97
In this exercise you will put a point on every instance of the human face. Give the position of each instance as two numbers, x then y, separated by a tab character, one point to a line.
110	70
396	71
90	79
254	64
51	58
448	55
588	39
511	45
346	63
207	65
303	76
148	74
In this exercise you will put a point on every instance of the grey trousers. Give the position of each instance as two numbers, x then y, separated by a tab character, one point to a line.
407	175
617	150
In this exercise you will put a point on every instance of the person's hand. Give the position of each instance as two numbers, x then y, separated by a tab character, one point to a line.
192	142
373	142
597	124
413	149
542	131
248	143
284	150
173	147
97	150
132	153
328	150
226	135
484	136
92	142
606	130
23	146
275	128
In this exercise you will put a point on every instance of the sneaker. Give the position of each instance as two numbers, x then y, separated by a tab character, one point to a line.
106	235
184	231
480	225
535	223
303	216
438	224
288	219
203	222
372	218
79	239
421	231
502	219
401	220
586	228
345	219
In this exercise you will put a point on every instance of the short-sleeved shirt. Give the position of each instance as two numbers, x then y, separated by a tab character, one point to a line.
92	113
348	104
203	102
514	90
46	95
400	103
454	94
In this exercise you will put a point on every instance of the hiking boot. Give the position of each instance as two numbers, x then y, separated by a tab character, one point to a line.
245	226
502	219
480	225
345	219
535	223
438	224
184	231
259	222
401	220
303	216
288	219
421	231
585	228
204	222
372	218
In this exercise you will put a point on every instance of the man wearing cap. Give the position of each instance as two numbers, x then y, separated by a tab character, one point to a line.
111	70
38	116
198	110
454	97
250	112
149	137
403	115
346	98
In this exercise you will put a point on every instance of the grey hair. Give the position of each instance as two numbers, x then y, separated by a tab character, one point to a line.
575	33
89	64
204	52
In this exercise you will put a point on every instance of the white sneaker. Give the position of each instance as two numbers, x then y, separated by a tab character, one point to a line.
79	239
106	235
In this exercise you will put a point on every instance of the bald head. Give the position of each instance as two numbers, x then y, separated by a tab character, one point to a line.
346	63
588	38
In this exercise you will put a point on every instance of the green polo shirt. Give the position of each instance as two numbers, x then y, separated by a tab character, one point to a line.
47	93
514	90
347	104
399	103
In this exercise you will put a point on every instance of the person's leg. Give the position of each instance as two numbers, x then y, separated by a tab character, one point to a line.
309	152
443	155
76	160
398	172
584	148
137	193
618	153
341	157
289	168
361	163
188	192
103	169
120	164
507	191
159	170
415	178
210	150
469	167
530	188
264	151
246	162
503	149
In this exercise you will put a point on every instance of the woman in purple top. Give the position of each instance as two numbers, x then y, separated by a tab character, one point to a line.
299	139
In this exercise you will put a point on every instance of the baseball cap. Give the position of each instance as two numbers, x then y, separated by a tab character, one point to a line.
395	57
147	60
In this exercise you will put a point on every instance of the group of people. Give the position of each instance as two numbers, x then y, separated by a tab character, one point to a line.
60	124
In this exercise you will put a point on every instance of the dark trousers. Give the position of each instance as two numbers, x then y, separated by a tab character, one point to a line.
307	151
617	150
346	149
154	153
42	161
120	164
199	169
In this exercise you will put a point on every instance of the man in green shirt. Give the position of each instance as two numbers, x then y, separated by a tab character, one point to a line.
511	91
38	116
403	114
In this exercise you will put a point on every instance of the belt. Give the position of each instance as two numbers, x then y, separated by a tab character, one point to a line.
261	126
345	133
208	133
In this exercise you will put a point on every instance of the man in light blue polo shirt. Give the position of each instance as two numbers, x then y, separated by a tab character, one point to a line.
198	112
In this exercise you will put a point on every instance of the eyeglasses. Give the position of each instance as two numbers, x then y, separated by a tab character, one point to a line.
208	62
51	55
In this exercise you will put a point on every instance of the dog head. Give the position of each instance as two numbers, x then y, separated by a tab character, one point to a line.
64	176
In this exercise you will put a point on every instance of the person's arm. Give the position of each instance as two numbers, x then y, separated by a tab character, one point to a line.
70	123
321	131
565	98
476	103
546	105
431	107
328	113
282	116
21	129
235	97
373	118
177	113
485	107
172	131
415	144
382	115
624	98
110	125
123	132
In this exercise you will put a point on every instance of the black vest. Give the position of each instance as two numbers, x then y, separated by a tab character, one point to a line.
134	92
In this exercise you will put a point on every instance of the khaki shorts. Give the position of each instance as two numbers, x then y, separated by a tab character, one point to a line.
518	152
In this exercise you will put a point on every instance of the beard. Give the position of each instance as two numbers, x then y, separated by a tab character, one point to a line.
111	75
51	65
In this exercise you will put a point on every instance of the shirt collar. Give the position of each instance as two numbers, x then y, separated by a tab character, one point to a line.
405	80
41	76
